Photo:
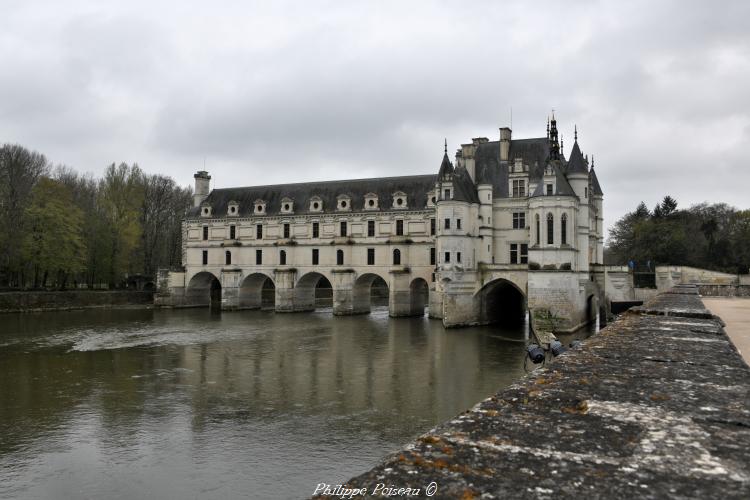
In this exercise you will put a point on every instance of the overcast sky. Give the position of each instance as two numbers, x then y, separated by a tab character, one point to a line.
279	92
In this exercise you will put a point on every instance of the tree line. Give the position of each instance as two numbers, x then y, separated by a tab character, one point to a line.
61	229
710	236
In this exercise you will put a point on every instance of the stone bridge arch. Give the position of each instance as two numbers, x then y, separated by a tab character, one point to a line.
255	289
203	289
307	287
501	301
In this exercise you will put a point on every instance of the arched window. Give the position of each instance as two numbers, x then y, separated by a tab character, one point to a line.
397	257
564	229
538	237
282	258
228	257
339	257
550	229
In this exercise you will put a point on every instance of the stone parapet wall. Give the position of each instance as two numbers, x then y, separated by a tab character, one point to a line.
656	405
724	290
71	299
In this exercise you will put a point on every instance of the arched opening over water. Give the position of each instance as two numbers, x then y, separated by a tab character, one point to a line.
257	291
369	290
313	290
501	302
204	289
419	292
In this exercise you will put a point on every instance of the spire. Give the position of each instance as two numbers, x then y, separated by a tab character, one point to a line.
575	133
554	146
446	167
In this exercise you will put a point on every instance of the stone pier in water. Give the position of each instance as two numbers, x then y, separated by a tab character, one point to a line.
657	405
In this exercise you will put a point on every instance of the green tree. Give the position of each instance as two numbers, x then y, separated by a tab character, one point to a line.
53	244
120	199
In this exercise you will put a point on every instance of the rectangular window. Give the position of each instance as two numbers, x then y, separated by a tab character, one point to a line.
228	258
458	256
549	189
519	220
316	230
524	253
519	188
343	228
258	257
432	256
370	228
259	231
458	223
370	256
447	223
447	257
399	228
205	257
432	227
205	232
232	232
339	257
514	253
447	194
286	230
315	256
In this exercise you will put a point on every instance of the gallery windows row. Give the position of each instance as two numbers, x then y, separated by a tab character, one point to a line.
343	229
315	257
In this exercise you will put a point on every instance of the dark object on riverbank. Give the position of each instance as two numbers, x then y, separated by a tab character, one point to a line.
656	405
72	299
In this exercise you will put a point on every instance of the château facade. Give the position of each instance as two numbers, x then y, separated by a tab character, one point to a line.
506	225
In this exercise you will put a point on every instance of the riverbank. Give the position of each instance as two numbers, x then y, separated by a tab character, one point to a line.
657	405
36	301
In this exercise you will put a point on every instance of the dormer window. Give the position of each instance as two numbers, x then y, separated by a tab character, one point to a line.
260	207
233	209
518	166
371	201
431	199
447	194
549	190
287	205
343	203
205	210
316	204
399	199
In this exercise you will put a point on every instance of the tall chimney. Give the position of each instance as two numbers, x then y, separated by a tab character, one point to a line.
505	133
202	180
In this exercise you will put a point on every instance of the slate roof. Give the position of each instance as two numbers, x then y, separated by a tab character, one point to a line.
463	186
490	170
576	164
563	186
416	188
446	167
595	187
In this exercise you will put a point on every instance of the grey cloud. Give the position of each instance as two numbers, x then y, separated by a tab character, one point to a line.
282	92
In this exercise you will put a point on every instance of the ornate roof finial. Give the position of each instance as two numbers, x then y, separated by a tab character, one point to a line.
561	142
592	161
446	145
547	126
575	133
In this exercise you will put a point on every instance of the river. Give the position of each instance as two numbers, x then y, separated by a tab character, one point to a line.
140	403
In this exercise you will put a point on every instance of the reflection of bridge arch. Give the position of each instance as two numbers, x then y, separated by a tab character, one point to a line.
368	288
312	289
204	289
256	290
501	301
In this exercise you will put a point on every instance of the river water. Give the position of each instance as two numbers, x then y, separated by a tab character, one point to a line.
186	404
